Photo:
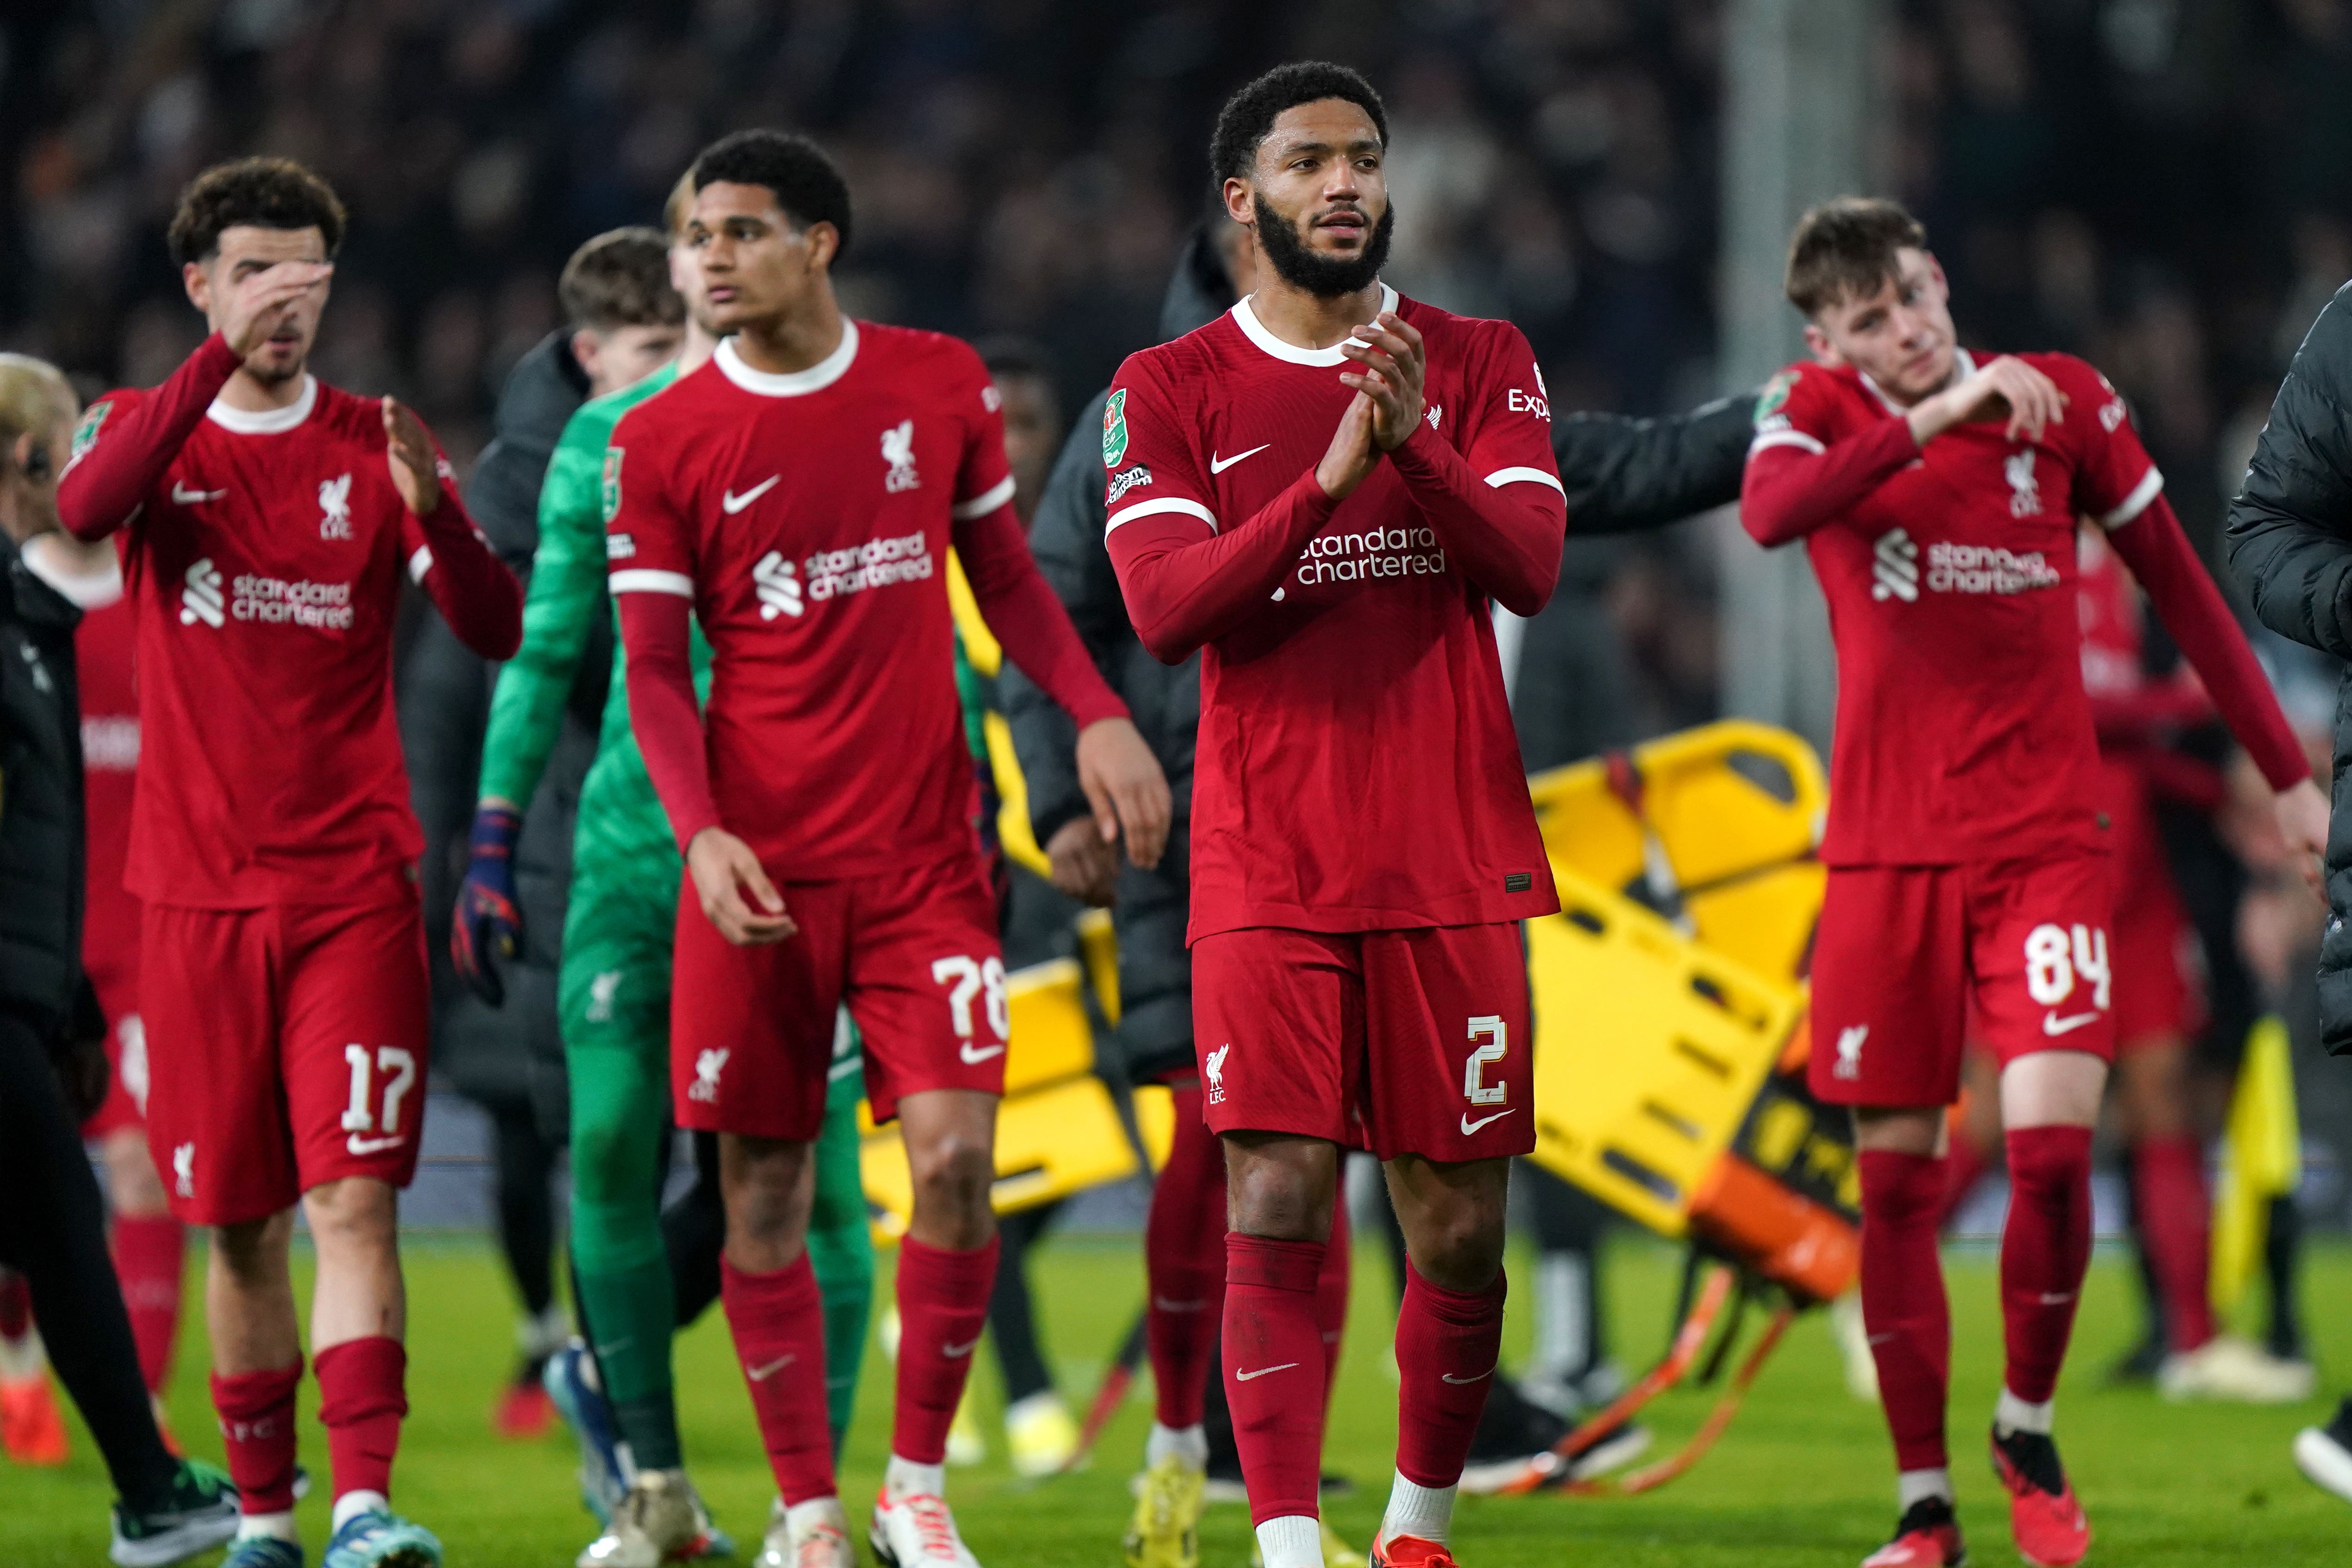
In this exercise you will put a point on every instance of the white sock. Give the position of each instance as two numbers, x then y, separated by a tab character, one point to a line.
2011	1414
906	1478
1292	1541
1914	1486
1190	1444
1418	1511
278	1526
351	1504
803	1517
23	1357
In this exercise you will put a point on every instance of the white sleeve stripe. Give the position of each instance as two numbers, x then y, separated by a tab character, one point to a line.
420	563
1502	476
1165	504
1796	438
979	505
646	579
2137	502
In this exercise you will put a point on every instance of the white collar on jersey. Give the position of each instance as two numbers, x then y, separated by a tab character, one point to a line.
82	589
791	383
1963	366
1255	330
270	422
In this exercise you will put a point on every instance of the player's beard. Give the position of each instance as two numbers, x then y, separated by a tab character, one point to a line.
1325	276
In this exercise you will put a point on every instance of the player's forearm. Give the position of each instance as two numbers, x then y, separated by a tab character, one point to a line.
656	639
104	485
471	587
2199	620
559	610
1794	485
1508	537
1029	623
1184	591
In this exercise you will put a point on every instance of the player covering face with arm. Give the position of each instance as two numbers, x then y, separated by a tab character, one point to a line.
1937	496
796	495
269	520
1325	490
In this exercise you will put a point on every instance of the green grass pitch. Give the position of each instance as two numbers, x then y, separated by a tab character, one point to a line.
1802	1479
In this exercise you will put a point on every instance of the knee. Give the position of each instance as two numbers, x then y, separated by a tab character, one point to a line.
253	1253
765	1185
1278	1201
356	1211
1461	1250
954	1172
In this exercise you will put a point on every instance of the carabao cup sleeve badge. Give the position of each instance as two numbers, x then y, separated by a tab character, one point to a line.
1115	428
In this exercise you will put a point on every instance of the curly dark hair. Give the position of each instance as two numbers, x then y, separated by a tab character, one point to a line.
1249	115
265	193
1845	248
807	183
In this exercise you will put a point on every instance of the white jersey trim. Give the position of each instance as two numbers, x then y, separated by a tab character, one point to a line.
1255	331
1502	476
1796	438
2137	502
791	383
1165	504
270	422
420	563
646	580
987	501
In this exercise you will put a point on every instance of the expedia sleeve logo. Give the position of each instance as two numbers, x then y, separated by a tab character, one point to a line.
612	483
1115	429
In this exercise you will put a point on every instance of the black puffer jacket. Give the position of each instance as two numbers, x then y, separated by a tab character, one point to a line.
41	829
1621	475
513	1051
2290	542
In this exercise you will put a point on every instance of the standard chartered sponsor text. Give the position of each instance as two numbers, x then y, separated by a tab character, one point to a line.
874	564
1374	552
274	600
1987	569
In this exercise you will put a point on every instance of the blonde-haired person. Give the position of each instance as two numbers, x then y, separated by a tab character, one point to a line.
53	1069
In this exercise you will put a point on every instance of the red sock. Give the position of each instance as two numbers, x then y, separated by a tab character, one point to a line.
942	1306
1903	1304
779	1325
15	1305
147	1258
257	1422
2046	1250
1331	1294
362	1397
1184	1263
1446	1345
1273	1371
2175	1217
1964	1167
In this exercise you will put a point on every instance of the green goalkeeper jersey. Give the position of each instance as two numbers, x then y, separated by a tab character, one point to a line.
623	832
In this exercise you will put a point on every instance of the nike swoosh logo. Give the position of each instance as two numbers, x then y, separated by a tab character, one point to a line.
1262	1371
2052	1024
762	1374
958	1352
617	1347
975	1058
2056	1297
1449	1377
731	503
1219	465
359	1145
1469	1126
187	497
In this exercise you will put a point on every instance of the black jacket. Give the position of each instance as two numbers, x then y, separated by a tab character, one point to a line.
1620	476
41	841
445	704
2290	541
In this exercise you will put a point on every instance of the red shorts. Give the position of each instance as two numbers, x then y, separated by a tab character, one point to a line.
125	1107
2159	968
286	1048
912	954
1903	952
1403	1042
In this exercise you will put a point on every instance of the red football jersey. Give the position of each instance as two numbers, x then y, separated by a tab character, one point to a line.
1963	730
807	517
1357	769
264	563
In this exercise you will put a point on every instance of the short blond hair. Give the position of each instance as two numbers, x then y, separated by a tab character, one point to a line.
680	207
35	399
